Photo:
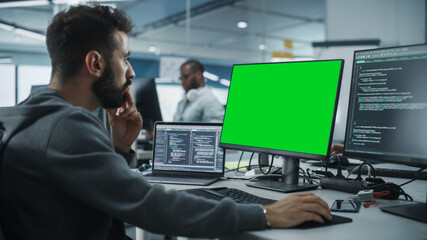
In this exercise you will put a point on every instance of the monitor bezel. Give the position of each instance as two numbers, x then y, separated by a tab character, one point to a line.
385	158
182	172
288	153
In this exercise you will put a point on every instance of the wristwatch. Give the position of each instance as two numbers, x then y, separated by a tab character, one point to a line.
266	222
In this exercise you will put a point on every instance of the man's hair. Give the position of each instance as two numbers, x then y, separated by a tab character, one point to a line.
194	65
80	29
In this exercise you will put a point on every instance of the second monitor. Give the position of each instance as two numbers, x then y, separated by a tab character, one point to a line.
147	102
286	109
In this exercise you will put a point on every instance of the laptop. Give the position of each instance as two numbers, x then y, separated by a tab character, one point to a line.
187	153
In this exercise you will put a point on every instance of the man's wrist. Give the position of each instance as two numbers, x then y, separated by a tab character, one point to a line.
124	150
267	223
122	147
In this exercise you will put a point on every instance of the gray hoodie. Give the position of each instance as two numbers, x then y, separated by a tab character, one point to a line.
61	178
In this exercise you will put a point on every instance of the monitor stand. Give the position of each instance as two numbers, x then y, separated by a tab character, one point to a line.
288	182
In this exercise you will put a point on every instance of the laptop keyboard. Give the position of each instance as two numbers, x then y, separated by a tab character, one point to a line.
233	193
180	176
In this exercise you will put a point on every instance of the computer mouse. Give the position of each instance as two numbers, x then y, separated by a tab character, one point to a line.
314	224
144	166
335	220
333	160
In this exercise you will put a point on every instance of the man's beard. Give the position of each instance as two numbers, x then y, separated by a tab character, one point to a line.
106	90
193	84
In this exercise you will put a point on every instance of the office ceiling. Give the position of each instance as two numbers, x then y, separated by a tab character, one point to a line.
211	33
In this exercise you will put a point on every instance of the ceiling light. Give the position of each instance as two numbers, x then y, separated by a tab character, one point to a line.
7	27
262	46
6	59
225	82
75	2
211	76
152	49
22	32
70	2
242	24
23	4
30	34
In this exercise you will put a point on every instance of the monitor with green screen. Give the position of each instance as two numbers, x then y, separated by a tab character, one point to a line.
285	108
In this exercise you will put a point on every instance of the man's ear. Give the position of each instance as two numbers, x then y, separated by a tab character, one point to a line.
94	63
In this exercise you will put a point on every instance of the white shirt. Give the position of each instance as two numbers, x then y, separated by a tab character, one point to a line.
199	105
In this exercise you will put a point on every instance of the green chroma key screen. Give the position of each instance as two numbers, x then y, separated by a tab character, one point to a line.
282	106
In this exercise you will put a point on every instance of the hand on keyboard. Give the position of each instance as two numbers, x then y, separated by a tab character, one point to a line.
296	209
286	213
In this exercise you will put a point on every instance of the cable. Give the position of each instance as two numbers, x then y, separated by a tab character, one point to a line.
359	169
309	176
400	191
250	159
240	159
397	193
415	178
407	196
339	168
304	176
269	168
302	171
242	167
353	170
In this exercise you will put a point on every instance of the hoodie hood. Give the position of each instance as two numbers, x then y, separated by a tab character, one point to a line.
14	119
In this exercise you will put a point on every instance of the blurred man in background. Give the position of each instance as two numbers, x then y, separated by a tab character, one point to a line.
198	104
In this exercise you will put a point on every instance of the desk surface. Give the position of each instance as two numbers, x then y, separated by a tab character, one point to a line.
369	223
